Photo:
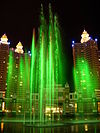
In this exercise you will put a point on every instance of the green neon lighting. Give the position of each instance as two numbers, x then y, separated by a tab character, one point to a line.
85	84
37	76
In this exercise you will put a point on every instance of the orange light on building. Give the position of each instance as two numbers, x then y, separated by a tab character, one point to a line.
99	107
75	107
3	94
2	126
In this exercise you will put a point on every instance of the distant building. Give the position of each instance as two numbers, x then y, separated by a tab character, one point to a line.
99	59
4	54
87	73
18	78
56	106
87	49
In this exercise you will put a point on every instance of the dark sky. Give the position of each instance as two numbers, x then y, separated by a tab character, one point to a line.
18	18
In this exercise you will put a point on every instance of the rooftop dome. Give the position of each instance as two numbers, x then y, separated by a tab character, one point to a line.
4	39
19	48
85	37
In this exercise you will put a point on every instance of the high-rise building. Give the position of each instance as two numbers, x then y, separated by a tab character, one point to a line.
17	78
86	72
4	53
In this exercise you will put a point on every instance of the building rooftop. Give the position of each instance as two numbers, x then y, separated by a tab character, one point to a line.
85	36
4	39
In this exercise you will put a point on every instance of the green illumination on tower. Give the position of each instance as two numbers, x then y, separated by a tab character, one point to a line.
85	85
10	80
20	92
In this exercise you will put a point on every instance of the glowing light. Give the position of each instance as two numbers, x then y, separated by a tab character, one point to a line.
53	109
96	39
19	48
90	37
3	106
11	95
19	111
4	40
2	126
85	37
73	43
86	127
75	107
98	106
29	52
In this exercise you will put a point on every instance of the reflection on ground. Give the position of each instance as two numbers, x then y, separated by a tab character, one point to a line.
65	125
75	128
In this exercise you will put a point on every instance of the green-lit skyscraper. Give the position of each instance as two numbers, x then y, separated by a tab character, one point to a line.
17	79
86	74
4	53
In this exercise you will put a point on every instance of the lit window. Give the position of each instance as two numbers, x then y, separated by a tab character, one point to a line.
3	94
3	61
16	65
21	83
3	106
17	57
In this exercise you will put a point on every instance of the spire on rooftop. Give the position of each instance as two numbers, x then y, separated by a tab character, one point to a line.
85	36
19	48
4	39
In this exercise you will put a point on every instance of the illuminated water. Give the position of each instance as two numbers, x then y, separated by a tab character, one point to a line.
77	128
32	91
45	69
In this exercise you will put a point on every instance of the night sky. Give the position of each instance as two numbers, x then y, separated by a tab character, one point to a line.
18	18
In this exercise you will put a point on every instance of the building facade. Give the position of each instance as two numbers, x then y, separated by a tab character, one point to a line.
4	55
18	78
86	73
